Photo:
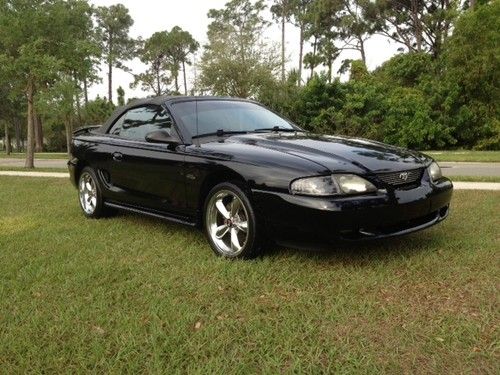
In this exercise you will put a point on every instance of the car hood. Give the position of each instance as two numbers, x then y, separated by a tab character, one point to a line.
338	153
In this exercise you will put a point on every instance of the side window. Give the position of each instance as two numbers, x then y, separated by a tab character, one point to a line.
117	127
138	122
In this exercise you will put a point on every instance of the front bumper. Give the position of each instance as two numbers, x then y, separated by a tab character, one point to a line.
384	214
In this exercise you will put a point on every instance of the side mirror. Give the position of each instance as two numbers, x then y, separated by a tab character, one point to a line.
161	136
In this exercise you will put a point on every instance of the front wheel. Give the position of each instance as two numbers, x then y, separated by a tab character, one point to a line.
230	222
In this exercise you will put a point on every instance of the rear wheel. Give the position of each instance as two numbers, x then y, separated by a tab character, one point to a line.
230	222
90	195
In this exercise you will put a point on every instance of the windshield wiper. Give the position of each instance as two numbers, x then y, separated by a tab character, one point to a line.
275	129
220	133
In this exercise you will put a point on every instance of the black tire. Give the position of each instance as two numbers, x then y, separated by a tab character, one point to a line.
99	209
252	245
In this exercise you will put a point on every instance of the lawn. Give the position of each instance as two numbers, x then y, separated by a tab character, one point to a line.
132	294
465	156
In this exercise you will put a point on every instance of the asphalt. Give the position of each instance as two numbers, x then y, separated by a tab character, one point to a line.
39	163
470	169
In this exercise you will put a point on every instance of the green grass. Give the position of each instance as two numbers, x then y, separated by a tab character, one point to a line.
38	155
465	156
133	294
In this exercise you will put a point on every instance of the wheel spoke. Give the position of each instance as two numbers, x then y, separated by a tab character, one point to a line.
235	206
222	209
243	226
221	231
235	242
88	185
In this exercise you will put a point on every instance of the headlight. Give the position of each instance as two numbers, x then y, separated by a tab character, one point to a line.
434	171
352	184
332	185
321	186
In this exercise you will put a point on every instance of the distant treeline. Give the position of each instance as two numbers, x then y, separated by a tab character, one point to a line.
440	91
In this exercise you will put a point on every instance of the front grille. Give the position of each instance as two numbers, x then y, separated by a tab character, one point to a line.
411	177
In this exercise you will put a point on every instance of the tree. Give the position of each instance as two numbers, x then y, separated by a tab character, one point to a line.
356	24
31	37
467	87
299	11
39	40
417	24
57	103
153	53
237	61
121	96
282	11
97	111
180	44
114	23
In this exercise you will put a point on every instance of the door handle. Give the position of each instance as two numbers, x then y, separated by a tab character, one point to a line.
117	156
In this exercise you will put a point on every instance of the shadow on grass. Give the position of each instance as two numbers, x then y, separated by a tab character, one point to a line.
349	252
369	251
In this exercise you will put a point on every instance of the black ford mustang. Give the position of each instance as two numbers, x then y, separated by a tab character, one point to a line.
246	174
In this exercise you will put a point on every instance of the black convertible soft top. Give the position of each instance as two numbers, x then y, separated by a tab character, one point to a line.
157	100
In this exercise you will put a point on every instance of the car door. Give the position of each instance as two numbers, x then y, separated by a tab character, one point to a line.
148	175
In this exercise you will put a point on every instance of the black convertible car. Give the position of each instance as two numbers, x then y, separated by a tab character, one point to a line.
247	175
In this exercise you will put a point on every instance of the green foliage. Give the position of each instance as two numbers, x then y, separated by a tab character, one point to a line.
415	100
97	111
113	25
153	54
121	96
166	54
237	61
470	79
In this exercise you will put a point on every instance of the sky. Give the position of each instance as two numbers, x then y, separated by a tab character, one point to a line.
151	16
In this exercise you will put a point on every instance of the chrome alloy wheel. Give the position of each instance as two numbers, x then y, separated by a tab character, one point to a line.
88	193
227	222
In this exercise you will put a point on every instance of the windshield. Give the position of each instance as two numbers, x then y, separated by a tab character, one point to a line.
228	116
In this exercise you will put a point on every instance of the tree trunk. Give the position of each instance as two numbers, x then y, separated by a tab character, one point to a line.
283	22
37	123
185	81
158	85
85	91
78	108
110	82
67	125
177	82
301	53
472	4
330	68
30	147
315	47
362	50
7	140
17	133
417	24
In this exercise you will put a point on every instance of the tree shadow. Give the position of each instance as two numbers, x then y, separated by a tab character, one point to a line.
363	252
348	252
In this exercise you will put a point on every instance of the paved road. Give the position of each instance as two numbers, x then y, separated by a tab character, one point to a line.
470	169
39	163
449	168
